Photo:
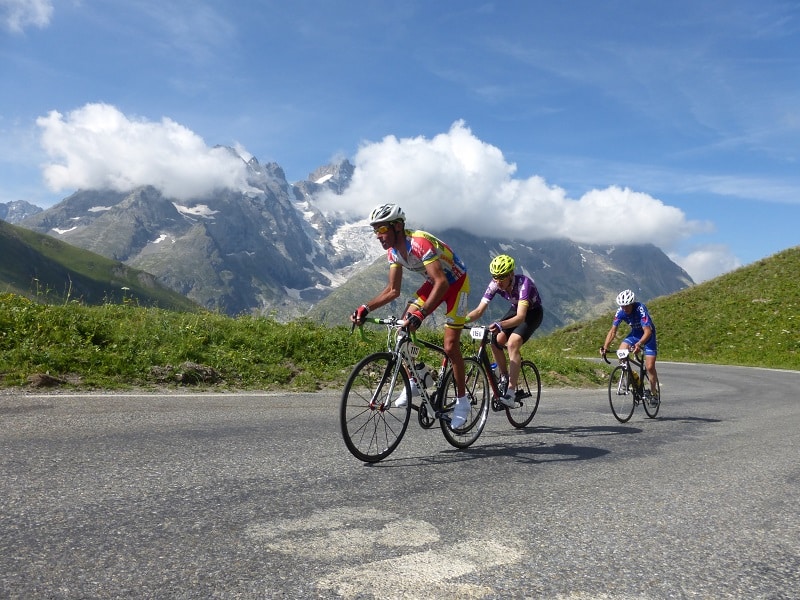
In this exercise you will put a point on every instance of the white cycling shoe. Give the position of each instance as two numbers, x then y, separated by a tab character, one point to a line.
460	413
402	399
509	399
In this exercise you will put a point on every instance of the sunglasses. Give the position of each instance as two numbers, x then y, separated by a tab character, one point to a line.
502	277
382	229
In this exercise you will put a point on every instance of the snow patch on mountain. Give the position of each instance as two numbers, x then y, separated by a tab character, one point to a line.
200	210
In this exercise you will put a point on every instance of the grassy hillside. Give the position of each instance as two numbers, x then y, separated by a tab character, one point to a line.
39	266
748	317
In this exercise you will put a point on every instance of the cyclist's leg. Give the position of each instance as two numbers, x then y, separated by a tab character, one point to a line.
452	346
650	352
514	347
457	308
455	301
499	343
520	335
629	342
469	429
498	354
416	302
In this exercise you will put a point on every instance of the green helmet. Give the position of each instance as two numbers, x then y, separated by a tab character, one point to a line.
501	265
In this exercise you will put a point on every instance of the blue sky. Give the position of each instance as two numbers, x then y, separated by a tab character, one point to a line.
618	121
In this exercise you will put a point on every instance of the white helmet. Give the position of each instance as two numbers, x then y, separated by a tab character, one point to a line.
386	213
625	297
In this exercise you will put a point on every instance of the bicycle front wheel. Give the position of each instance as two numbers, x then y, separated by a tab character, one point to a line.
620	395
529	390
477	386
371	425
649	407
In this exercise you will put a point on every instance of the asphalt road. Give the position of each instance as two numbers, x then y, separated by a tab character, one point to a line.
256	496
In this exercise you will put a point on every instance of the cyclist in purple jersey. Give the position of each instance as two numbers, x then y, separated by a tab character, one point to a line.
517	325
642	336
446	282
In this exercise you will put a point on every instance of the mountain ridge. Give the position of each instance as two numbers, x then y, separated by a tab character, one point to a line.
272	251
42	268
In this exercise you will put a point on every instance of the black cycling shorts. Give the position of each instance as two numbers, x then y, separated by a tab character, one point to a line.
533	318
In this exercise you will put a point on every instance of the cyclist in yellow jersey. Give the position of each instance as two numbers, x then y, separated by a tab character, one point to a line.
446	281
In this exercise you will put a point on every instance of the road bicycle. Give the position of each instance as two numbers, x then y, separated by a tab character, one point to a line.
529	386
629	385
370	422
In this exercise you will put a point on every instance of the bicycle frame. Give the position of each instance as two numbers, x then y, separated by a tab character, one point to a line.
407	346
626	359
529	385
371	421
482	335
630	377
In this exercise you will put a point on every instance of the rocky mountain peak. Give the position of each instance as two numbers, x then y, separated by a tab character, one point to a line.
271	251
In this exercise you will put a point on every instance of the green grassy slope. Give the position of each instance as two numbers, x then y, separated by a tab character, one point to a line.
747	317
750	317
44	268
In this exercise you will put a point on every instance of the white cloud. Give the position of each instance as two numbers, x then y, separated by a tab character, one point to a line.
707	262
18	14
98	147
457	180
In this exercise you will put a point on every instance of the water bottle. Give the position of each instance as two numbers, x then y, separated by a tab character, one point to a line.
634	375
425	375
496	371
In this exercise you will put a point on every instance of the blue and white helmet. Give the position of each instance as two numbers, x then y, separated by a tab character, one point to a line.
625	297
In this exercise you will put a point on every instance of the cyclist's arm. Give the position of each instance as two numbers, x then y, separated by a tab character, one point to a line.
612	333
477	312
517	319
648	331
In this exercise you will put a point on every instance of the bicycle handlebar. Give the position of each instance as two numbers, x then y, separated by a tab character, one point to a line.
388	321
636	356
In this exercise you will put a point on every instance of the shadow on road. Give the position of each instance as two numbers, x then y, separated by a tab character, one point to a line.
585	431
537	453
687	420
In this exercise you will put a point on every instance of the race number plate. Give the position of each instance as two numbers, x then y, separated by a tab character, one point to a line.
476	333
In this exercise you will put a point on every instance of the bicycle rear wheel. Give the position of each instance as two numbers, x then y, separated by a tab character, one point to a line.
370	424
477	385
650	408
620	395
529	390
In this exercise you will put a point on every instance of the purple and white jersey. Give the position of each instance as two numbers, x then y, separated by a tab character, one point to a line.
523	290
